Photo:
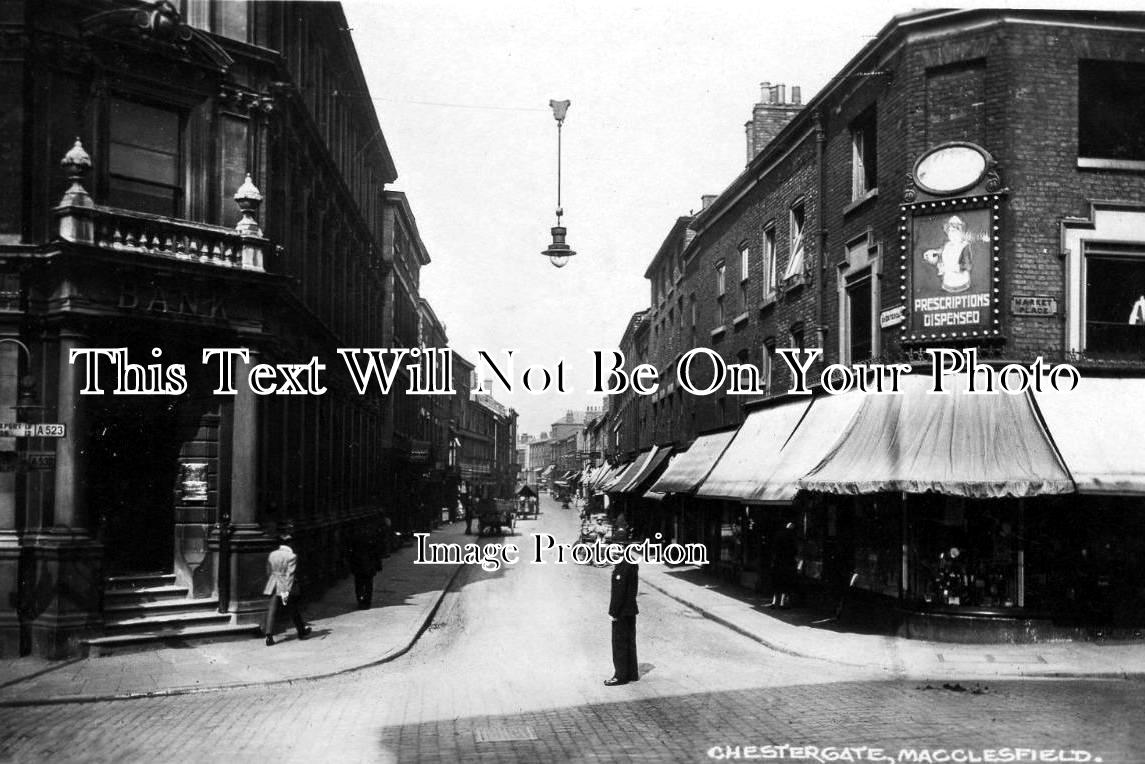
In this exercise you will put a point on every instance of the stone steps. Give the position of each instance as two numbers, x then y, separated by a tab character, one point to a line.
149	609
147	640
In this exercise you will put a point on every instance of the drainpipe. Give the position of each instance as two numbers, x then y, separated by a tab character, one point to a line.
821	168
224	570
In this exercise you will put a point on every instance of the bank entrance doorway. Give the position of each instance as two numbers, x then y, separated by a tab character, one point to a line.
132	464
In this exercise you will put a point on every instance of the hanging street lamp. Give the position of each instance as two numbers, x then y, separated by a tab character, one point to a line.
559	252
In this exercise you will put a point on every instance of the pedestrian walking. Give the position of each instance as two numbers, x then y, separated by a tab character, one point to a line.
364	559
783	566
282	588
468	516
622	610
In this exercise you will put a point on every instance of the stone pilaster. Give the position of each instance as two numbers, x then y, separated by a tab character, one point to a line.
63	569
9	537
62	590
249	544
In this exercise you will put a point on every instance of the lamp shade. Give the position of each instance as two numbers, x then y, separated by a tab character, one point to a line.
558	252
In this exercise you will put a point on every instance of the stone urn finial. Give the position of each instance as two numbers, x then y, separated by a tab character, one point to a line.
249	199
76	163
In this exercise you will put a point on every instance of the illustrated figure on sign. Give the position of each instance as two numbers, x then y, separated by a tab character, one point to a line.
954	259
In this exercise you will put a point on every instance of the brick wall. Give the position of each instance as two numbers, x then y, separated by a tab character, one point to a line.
1011	88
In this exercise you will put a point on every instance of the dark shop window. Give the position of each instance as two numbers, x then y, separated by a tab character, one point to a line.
1111	110
1115	301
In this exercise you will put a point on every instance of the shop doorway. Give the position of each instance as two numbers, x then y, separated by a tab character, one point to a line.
132	464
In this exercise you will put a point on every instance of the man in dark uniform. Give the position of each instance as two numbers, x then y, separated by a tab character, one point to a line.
364	559
622	610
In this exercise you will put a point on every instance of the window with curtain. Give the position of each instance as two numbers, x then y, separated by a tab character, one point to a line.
1114	305
768	269
864	155
797	221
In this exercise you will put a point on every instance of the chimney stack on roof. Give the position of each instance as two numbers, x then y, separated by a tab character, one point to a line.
770	115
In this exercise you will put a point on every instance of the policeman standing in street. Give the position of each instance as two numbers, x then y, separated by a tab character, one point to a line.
622	610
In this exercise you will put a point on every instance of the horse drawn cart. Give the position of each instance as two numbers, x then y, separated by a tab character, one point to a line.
496	516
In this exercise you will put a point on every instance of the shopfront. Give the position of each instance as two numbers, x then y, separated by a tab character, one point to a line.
755	482
964	510
694	521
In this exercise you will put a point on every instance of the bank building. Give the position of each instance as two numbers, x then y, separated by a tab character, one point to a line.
180	176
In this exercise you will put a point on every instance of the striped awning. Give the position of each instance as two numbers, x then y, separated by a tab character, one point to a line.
639	482
688	470
625	475
754	451
1098	429
974	445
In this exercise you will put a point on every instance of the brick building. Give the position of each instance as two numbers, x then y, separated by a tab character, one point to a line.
486	436
968	180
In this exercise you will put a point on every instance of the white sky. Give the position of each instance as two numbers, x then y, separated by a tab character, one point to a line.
660	92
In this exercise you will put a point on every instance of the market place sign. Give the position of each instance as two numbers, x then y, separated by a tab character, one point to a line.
950	265
1033	305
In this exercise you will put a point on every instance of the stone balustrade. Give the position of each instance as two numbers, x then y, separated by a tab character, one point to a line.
120	230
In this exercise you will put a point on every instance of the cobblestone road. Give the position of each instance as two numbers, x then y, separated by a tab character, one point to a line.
511	670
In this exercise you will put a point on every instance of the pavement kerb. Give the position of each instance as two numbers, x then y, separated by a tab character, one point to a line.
393	654
743	631
901	671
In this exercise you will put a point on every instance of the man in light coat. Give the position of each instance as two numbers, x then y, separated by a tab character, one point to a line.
282	588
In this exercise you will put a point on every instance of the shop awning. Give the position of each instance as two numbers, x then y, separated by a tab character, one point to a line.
607	472
979	446
754	452
815	434
612	475
656	495
624	478
598	473
689	469
1098	430
548	470
591	474
641	481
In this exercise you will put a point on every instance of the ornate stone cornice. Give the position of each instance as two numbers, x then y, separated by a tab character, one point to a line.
158	25
246	100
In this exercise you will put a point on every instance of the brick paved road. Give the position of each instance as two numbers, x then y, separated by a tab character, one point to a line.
511	670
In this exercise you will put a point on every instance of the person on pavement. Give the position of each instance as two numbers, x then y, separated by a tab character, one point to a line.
622	610
282	588
364	560
784	562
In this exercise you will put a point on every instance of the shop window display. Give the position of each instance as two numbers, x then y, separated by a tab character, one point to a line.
752	539
1086	566
878	555
965	553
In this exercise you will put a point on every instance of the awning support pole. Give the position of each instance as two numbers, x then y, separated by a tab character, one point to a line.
904	587
1021	552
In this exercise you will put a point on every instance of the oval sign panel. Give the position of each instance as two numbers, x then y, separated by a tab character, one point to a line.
951	168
